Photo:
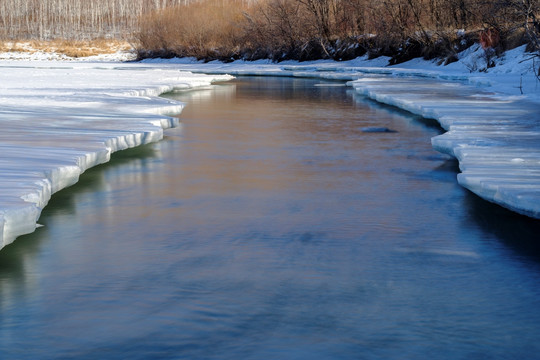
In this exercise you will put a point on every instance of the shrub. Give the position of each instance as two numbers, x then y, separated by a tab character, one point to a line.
278	29
205	30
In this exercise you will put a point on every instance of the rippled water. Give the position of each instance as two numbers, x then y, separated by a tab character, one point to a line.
271	226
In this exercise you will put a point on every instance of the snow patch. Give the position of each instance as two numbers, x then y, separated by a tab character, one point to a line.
59	119
490	113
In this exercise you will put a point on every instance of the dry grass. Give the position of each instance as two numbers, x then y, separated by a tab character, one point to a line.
71	48
203	29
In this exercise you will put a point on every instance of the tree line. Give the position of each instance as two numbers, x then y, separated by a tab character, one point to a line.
282	29
338	29
75	19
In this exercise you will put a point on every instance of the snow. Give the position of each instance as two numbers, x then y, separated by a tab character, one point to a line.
61	117
495	139
492	115
513	73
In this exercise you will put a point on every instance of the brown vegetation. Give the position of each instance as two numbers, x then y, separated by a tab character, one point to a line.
71	48
207	30
338	29
280	29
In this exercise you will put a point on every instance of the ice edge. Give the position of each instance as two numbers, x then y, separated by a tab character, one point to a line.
498	129
496	140
20	217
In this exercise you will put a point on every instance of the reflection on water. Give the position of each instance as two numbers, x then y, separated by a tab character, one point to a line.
517	232
271	226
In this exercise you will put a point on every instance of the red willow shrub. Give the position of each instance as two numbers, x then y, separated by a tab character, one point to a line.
489	39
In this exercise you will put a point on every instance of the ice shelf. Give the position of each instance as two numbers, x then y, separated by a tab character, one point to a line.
492	117
59	119
495	138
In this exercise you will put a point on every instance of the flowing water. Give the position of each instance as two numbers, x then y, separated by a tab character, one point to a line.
272	225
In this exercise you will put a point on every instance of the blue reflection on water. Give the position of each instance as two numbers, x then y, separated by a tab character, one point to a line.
271	226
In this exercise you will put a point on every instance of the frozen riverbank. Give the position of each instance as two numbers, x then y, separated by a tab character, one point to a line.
59	119
495	139
492	115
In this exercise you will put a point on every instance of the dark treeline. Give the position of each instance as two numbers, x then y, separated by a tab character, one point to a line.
282	29
337	29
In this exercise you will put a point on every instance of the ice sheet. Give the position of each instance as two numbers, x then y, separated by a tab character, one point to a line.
496	139
492	114
59	119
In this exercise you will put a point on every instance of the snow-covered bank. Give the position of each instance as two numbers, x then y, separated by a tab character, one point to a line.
492	114
513	73
58	119
496	139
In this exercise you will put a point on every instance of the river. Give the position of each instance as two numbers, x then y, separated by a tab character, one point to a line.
274	225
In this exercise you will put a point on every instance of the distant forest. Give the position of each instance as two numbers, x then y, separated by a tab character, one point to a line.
75	19
281	29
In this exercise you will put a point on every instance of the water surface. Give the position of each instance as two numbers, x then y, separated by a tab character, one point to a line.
271	226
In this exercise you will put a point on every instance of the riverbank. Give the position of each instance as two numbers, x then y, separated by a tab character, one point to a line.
492	114
271	226
491	111
66	50
58	119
